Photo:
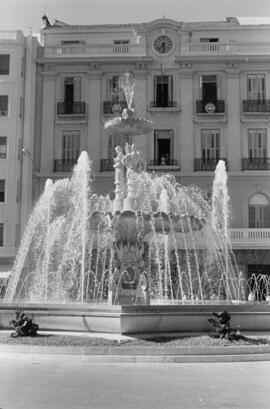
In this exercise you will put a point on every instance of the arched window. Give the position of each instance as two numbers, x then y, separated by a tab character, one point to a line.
259	211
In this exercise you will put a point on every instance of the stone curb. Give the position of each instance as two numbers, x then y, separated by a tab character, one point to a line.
136	355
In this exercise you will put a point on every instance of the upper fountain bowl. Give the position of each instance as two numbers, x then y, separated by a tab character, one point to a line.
127	124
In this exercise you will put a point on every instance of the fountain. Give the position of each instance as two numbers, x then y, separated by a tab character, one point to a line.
158	246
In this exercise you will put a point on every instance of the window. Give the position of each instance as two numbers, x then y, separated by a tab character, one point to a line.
163	91
259	212
72	42
4	64
257	143
3	147
256	87
210	144
1	234
120	42
72	93
3	105
2	190
209	88
209	40
116	94
70	146
163	148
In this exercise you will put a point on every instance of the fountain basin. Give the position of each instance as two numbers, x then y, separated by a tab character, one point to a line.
135	319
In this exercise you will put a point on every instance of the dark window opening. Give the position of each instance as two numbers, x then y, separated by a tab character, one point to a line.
163	149
1	234
3	147
3	105
2	190
4	64
209	40
209	89
163	90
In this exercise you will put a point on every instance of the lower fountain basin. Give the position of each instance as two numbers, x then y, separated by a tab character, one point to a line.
135	319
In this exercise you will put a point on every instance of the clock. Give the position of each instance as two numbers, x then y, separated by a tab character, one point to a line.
163	44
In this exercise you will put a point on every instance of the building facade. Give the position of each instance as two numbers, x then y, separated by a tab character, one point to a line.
206	87
17	99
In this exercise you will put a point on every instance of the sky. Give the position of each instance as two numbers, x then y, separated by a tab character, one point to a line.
26	14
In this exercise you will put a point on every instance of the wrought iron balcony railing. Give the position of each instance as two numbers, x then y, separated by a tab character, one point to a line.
253	105
71	108
204	164
163	162
255	163
213	107
106	165
64	165
163	104
112	107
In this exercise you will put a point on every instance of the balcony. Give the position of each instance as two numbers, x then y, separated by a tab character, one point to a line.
206	165
106	165
113	108
163	104
93	50
215	107
256	106
164	165
71	108
225	49
250	238
255	163
64	165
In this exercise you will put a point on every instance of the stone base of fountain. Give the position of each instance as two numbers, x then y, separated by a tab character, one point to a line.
136	319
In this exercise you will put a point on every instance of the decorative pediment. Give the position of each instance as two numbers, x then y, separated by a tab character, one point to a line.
163	24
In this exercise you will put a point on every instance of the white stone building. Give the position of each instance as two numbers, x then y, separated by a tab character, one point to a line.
17	101
206	87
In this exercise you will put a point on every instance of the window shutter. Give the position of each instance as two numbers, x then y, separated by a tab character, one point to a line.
170	90
155	88
251	216
77	88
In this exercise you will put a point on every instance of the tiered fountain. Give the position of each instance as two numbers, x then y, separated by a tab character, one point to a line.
159	250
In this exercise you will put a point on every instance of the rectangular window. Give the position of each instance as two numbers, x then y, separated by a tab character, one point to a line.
209	40
257	143
256	89
163	91
259	216
3	147
116	94
210	144
3	105
70	145
72	93
4	64
1	234
164	144
209	89
2	190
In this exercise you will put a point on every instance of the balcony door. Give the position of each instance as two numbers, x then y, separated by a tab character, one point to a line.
209	89
70	146
163	149
257	143
72	93
259	212
210	144
256	89
163	91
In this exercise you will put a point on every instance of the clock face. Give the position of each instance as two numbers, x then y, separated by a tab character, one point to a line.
163	44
